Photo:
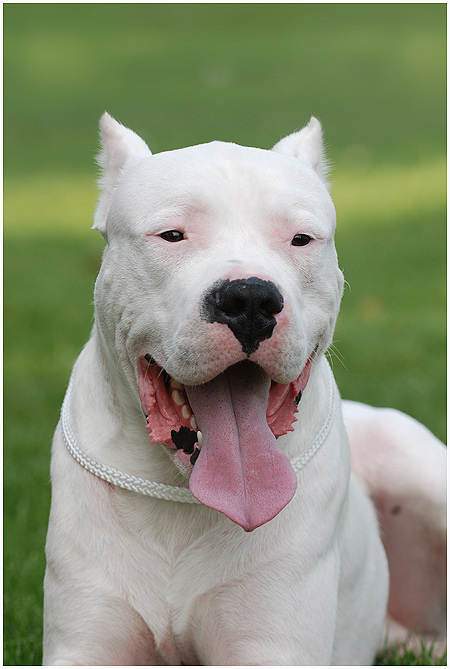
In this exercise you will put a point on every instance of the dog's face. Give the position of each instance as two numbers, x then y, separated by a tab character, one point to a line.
219	283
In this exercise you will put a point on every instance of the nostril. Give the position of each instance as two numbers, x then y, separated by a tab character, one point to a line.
271	306
230	303
234	308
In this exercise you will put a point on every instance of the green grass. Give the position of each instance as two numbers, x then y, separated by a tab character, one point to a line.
187	73
425	655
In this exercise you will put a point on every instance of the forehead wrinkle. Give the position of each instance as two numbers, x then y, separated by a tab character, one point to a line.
182	206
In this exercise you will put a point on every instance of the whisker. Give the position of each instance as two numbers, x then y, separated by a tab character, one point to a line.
332	353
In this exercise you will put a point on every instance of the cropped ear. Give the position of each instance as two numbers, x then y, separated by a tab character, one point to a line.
119	148
307	146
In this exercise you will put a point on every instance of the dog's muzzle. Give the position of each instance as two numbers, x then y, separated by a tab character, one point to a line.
247	307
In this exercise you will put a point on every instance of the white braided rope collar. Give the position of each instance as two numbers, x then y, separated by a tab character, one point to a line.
162	490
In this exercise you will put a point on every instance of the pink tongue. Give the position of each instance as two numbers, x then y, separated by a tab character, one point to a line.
240	470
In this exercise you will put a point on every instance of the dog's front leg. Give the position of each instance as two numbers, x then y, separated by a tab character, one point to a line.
276	616
86	626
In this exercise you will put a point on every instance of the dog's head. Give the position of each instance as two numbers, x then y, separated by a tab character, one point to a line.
219	288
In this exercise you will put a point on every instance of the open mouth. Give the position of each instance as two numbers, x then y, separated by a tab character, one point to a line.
224	432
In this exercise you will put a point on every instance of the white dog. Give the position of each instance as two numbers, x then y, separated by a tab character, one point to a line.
203	507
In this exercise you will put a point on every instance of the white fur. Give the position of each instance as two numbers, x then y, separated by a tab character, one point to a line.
307	146
120	147
133	580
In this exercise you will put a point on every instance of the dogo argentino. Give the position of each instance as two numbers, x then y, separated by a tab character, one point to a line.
203	506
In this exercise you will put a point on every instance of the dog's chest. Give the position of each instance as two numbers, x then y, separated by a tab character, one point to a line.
181	575
171	561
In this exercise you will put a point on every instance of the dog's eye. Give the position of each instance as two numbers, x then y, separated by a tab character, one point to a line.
172	236
301	240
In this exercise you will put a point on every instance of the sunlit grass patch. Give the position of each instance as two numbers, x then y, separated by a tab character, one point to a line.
381	195
49	204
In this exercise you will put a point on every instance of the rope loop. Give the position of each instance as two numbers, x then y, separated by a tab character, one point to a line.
162	490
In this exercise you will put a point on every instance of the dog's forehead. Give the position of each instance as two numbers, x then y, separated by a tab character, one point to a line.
219	170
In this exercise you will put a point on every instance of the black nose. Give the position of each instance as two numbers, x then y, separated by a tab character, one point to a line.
247	306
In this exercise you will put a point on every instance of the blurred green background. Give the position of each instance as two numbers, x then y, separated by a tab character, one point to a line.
181	74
